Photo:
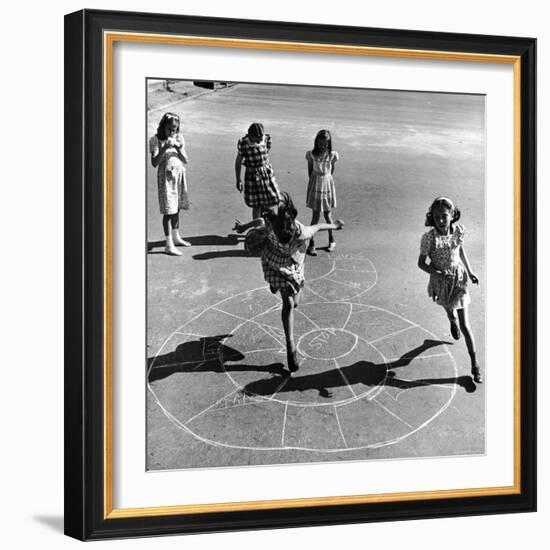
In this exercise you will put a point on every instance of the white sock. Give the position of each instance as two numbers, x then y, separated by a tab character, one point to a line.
169	241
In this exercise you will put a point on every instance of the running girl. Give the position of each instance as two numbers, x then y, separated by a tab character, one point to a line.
449	270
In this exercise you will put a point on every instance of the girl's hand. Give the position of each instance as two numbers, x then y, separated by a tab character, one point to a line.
239	227
474	278
339	224
239	186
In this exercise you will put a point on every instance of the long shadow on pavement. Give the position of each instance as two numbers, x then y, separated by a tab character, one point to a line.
203	355
207	355
360	372
201	240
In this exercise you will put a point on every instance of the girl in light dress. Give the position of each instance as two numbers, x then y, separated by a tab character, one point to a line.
168	155
449	271
321	194
282	241
260	187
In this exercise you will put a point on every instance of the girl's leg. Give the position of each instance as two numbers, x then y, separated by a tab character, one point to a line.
314	220
175	222
328	219
167	225
287	317
455	331
470	343
256	212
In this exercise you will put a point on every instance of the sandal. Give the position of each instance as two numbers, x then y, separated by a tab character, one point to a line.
476	374
331	246
455	331
311	251
293	363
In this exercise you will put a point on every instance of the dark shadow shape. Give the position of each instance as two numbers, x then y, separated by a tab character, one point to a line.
221	254
55	523
203	355
198	240
202	240
361	372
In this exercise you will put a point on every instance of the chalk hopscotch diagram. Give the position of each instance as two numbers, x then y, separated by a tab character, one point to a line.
368	377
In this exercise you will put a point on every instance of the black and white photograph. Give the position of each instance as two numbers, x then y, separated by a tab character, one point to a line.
315	274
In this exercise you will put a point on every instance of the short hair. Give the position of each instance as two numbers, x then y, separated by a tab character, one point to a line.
256	129
445	203
166	118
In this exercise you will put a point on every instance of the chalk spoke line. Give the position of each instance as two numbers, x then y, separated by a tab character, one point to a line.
391	334
392	413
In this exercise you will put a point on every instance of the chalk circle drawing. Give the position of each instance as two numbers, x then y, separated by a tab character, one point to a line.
368	377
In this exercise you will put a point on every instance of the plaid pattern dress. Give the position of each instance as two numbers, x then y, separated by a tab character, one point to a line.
260	186
283	264
450	291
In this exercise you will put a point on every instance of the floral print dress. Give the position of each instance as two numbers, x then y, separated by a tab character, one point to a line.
171	180
451	290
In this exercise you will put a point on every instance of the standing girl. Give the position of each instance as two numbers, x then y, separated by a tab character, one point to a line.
283	258
449	270
260	188
321	194
168	154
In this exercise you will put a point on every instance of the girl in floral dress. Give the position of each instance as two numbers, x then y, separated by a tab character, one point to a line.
321	194
260	187
283	251
449	271
168	154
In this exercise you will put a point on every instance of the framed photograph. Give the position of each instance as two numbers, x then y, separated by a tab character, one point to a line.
300	274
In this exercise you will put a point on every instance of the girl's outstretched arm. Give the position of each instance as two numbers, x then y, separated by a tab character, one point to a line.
338	224
238	164
473	277
242	227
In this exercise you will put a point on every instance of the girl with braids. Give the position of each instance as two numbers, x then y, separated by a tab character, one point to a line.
449	271
260	187
168	154
283	249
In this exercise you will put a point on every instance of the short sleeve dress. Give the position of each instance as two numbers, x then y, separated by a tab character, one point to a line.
450	291
171	180
260	186
283	264
321	193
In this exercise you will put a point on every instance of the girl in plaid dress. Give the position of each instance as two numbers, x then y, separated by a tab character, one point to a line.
168	154
449	271
283	256
260	187
321	194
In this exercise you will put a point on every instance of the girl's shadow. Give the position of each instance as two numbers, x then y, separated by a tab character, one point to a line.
360	372
157	247
204	355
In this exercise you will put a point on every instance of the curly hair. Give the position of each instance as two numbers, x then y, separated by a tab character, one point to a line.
322	134
284	221
443	202
166	118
